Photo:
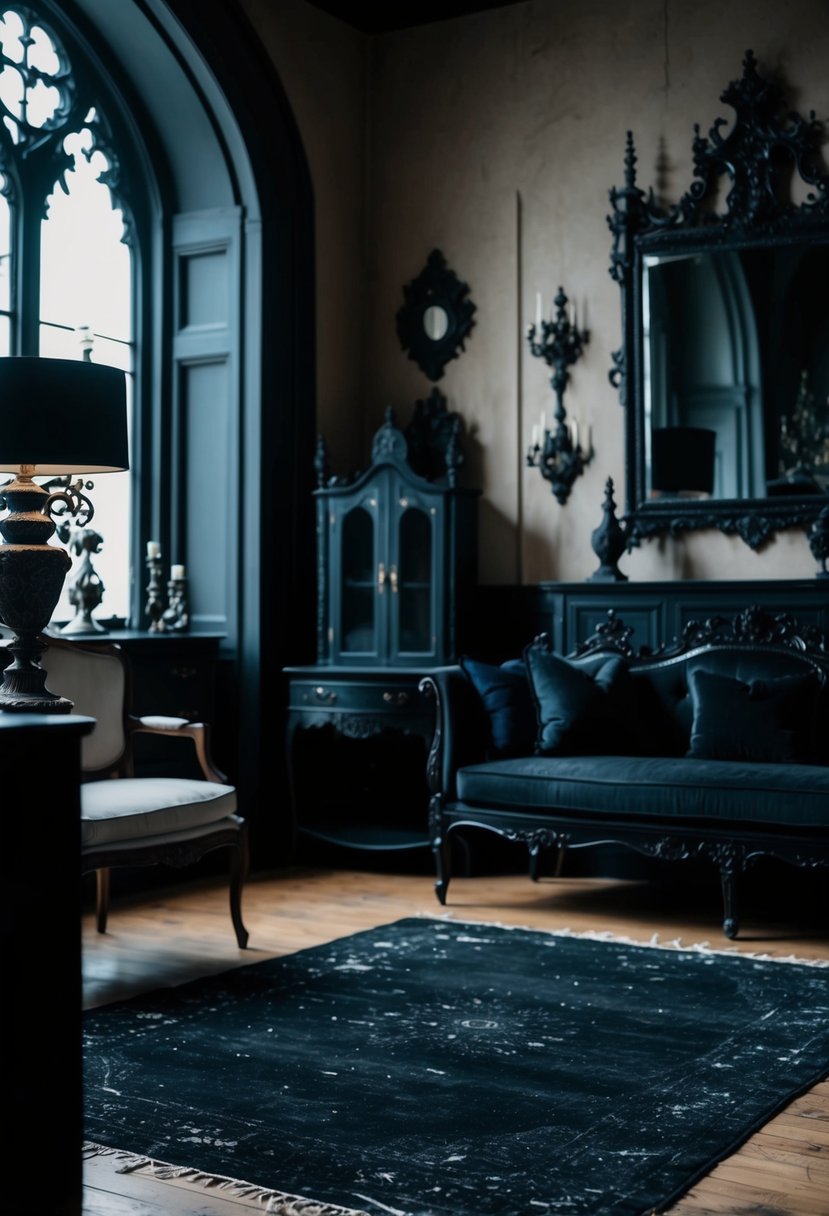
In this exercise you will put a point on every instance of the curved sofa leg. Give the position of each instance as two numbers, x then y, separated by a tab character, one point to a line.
728	879
535	861
440	848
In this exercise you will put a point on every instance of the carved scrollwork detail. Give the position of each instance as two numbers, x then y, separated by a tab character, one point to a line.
612	634
729	856
536	838
667	848
435	818
754	627
764	137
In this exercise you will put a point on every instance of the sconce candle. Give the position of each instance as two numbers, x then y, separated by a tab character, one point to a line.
153	548
558	453
177	572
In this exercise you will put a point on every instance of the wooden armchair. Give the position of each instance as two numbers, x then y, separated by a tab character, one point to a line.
138	821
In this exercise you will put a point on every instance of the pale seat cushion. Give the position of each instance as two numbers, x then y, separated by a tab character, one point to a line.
136	807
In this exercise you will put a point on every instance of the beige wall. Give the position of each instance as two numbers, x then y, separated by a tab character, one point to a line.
496	139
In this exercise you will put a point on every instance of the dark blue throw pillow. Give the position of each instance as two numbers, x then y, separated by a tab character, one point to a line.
764	721
505	693
582	711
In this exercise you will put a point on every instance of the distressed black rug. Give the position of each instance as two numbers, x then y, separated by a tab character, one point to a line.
433	1068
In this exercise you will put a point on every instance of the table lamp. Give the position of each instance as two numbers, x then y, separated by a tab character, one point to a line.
57	417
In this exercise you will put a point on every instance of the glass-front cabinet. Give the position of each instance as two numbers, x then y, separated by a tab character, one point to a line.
397	559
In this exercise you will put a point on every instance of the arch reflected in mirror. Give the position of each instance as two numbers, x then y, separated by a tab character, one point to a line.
733	340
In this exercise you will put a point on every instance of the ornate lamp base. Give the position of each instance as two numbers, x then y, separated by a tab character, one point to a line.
31	578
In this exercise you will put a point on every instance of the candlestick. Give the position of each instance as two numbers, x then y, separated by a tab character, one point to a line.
154	606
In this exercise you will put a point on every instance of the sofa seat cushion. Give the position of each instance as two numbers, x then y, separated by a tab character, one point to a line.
137	807
663	788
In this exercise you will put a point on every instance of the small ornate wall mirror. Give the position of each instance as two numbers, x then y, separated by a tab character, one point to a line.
436	316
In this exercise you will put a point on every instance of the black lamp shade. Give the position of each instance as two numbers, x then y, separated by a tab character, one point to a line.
682	459
63	416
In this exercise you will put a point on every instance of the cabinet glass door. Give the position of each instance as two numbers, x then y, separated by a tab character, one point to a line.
415	632
358	608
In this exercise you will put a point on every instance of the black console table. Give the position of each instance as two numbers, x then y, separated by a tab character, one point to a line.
357	742
172	673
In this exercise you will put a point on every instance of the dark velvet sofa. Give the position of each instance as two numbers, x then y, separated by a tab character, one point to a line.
715	746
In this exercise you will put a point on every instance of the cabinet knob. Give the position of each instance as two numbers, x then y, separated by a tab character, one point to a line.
393	579
325	694
396	698
183	673
381	578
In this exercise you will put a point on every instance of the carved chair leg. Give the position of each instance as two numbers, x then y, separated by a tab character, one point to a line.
101	899
238	874
560	851
441	849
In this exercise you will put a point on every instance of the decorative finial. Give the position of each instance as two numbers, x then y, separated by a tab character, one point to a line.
609	542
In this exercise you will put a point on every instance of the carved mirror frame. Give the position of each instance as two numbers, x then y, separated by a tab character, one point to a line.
436	290
761	150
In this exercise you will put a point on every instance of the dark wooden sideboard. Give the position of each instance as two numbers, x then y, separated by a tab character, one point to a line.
506	618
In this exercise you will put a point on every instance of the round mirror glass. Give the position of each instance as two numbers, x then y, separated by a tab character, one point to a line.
435	322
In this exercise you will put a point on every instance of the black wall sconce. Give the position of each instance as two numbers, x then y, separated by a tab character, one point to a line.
558	453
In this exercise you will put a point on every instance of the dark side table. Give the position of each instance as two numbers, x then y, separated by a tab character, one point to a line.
357	744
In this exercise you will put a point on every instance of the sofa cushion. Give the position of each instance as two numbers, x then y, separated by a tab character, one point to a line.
505	694
582	711
764	720
665	788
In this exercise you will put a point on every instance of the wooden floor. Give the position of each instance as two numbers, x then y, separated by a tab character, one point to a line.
167	938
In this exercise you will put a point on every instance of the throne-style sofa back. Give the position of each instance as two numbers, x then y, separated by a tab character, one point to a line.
716	746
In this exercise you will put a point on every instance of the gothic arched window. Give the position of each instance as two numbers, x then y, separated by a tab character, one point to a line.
66	256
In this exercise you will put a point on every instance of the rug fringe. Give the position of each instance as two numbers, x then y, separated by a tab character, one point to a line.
598	935
270	1203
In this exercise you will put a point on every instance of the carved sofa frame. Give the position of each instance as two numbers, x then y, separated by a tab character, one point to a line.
752	638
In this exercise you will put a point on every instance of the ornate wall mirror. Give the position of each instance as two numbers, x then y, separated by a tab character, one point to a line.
724	363
436	316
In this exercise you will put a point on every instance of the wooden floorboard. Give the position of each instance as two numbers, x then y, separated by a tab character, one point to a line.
169	937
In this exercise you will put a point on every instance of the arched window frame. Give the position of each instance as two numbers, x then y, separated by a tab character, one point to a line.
33	168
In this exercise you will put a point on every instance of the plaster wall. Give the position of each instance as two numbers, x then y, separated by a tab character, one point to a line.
323	66
496	138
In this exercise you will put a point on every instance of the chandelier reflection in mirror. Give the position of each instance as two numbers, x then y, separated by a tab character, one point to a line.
558	452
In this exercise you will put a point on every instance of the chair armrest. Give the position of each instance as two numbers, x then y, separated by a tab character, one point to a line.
181	728
461	728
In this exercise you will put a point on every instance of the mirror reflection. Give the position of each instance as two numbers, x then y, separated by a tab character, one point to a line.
435	322
736	372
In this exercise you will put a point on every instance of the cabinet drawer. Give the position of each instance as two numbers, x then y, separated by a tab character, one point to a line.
386	697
